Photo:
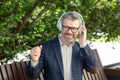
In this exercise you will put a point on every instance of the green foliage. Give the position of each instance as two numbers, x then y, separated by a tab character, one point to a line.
102	18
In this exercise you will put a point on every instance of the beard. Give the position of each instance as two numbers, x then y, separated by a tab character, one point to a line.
66	39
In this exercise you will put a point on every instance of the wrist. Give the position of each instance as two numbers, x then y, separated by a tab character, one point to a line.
33	63
82	45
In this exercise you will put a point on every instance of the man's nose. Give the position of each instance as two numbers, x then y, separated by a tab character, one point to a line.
70	30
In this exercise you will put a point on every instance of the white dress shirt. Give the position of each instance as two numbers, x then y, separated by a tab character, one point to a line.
66	52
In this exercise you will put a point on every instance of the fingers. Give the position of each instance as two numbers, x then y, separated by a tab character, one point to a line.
82	37
84	29
35	53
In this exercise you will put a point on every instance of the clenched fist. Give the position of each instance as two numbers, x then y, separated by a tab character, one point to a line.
35	53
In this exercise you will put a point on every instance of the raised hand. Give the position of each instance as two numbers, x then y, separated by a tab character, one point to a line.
82	37
35	53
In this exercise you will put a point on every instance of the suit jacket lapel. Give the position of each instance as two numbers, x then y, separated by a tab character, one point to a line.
57	50
74	62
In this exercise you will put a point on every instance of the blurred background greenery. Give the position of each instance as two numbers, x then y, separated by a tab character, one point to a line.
26	23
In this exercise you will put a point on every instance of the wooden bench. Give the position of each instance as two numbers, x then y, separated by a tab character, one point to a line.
16	71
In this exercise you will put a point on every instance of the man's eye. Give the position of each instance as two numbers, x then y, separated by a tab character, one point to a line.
74	28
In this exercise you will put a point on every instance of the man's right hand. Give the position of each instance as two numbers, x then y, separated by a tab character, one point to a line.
35	53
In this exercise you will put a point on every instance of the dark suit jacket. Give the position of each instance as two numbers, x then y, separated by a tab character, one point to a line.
51	61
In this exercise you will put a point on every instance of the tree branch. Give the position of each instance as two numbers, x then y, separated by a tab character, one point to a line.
25	18
40	14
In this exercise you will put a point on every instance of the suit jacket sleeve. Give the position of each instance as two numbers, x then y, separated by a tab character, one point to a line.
90	61
35	72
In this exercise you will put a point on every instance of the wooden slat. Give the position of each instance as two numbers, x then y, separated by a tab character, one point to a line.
94	77
19	70
99	76
9	72
23	67
4	73
15	72
89	76
85	74
1	75
83	78
102	75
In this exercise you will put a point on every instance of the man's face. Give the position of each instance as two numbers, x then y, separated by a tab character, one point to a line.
70	29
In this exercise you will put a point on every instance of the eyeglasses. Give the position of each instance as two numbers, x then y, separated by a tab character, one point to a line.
73	29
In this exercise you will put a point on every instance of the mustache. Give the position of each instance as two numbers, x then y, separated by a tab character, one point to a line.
75	36
67	34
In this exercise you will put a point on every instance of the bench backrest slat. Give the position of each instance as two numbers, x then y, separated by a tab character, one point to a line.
4	72
9	72
84	75
15	72
94	77
0	75
89	76
23	67
19	70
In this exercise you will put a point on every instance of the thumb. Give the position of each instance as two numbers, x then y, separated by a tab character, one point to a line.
40	47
